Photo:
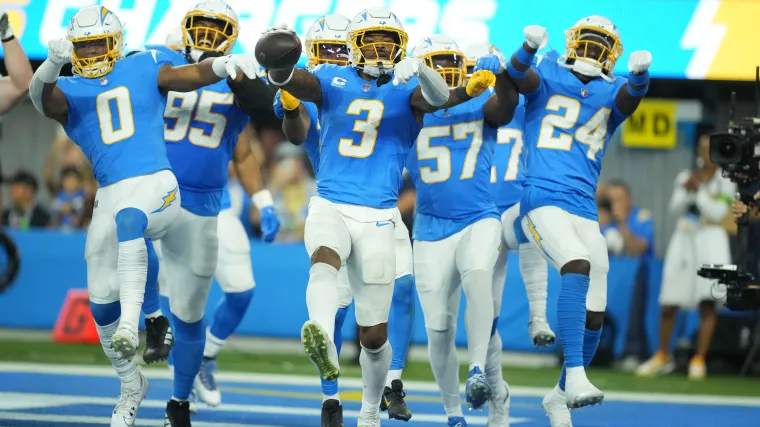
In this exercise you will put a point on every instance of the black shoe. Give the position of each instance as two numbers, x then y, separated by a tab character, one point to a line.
332	413
393	402
158	341
177	414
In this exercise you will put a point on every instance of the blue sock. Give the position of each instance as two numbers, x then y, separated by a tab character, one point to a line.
401	321
189	341
105	314
230	312
330	388
167	310
590	344
151	303
571	317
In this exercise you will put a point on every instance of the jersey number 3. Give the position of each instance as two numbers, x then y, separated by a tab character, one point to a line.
115	101
592	133
189	109
368	128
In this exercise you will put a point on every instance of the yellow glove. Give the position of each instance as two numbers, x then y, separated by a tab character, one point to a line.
479	82
289	102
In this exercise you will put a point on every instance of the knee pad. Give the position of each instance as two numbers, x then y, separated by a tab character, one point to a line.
403	292
105	314
131	224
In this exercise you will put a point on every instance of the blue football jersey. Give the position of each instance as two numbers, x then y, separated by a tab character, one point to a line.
508	170
226	202
451	168
201	131
311	145
117	119
366	134
567	125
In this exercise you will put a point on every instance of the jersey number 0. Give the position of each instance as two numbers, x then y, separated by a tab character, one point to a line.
117	101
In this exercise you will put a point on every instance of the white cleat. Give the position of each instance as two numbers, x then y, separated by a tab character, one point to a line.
125	342
193	401
498	407
697	369
321	350
368	421
579	392
659	364
125	412
556	409
205	384
540	332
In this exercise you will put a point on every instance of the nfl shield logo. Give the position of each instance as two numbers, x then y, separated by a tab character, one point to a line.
365	88
103	81
584	92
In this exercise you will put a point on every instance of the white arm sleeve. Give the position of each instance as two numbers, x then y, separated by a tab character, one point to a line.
47	73
681	198
434	87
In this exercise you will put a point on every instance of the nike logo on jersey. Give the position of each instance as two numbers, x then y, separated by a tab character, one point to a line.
381	224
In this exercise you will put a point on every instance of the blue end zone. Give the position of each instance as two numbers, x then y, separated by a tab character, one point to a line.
80	396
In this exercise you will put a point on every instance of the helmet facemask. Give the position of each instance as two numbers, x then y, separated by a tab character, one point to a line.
377	50
208	32
326	52
95	56
452	66
592	51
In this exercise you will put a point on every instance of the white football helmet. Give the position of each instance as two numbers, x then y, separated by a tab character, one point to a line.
371	23
209	26
174	39
475	51
593	47
98	39
326	41
442	54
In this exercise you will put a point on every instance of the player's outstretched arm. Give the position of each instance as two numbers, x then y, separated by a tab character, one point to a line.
254	96
47	97
249	172
300	83
527	80
188	78
14	87
433	91
630	95
296	123
500	108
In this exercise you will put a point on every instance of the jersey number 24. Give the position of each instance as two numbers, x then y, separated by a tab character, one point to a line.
592	133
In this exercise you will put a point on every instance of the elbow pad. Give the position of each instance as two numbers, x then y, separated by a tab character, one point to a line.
434	87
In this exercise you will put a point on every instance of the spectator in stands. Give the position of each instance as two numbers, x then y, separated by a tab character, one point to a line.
63	154
701	199
628	229
69	206
292	187
24	212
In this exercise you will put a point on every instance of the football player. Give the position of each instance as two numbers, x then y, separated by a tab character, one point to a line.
202	129
574	105
14	87
456	232
138	197
368	125
326	44
507	175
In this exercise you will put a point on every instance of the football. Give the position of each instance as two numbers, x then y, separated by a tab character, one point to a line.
278	50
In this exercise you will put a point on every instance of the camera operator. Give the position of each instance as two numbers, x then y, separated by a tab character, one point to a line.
14	87
701	198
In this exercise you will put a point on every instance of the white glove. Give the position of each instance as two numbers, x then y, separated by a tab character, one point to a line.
6	32
281	28
59	51
639	61
536	36
405	70
230	65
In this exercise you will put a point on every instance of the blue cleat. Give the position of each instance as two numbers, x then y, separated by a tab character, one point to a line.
457	422
477	390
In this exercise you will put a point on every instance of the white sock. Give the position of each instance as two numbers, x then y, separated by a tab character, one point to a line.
178	400
393	374
132	272
154	315
322	296
375	364
213	345
477	285
127	371
494	376
332	397
534	271
444	361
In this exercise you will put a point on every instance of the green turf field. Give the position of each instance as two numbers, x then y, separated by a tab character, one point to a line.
608	380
